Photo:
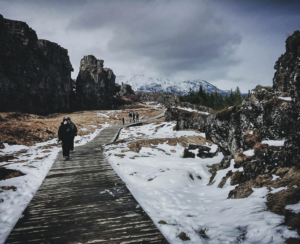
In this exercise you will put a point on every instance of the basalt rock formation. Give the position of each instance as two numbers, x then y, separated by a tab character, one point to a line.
35	75
95	85
268	113
123	90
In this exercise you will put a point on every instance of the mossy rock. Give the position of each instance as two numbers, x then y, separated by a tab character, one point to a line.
225	114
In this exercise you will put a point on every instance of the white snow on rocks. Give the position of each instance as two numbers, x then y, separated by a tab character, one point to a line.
294	207
286	98
175	190
192	110
249	153
35	164
278	143
275	177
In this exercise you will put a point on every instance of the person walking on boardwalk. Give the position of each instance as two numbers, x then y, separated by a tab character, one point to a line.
73	134
133	117
123	120
137	116
130	116
64	135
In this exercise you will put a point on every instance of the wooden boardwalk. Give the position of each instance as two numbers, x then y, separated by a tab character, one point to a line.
84	201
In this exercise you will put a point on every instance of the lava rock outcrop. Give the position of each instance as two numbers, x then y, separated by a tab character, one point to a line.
95	85
35	75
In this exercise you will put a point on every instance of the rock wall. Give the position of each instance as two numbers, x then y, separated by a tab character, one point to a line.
268	113
95	85
35	75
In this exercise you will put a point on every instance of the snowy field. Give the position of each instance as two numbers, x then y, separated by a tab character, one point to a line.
35	162
174	191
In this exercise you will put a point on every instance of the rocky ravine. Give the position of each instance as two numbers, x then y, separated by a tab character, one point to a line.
268	113
35	76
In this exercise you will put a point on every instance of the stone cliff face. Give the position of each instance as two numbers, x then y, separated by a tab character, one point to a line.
95	85
35	75
268	113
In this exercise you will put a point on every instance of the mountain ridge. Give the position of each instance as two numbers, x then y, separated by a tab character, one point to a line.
142	83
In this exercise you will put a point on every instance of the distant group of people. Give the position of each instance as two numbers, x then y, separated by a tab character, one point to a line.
68	130
66	134
133	117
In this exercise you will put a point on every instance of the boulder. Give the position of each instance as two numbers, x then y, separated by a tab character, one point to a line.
123	90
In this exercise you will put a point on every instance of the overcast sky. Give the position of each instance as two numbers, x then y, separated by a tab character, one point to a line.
225	42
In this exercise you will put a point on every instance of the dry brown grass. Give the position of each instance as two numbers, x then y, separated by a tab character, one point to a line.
28	129
240	158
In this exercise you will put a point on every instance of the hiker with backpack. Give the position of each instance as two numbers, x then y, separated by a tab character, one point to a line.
130	116
73	134
137	116
65	136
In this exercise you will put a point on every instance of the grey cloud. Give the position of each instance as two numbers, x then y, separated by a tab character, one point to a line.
174	35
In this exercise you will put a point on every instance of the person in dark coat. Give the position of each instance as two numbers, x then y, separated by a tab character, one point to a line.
137	116
73	134
123	120
64	135
133	117
130	116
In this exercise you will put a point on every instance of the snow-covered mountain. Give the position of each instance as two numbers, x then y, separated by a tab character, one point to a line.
144	83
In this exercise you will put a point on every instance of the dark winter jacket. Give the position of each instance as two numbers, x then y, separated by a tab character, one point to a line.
130	114
74	129
64	132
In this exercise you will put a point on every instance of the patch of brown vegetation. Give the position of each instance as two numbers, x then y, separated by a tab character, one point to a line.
250	139
173	150
184	141
158	127
40	158
211	180
7	188
183	236
28	129
6	158
120	155
224	179
158	121
9	173
260	147
162	222
240	159
202	233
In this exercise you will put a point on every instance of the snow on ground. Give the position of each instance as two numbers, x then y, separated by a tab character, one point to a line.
192	110
103	115
162	130
294	207
285	98
35	164
174	192
279	143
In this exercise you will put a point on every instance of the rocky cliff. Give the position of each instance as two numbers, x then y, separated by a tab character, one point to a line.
95	85
35	75
262	136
